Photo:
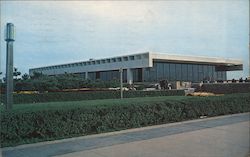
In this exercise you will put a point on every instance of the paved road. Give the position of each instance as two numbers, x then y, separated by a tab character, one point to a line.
224	136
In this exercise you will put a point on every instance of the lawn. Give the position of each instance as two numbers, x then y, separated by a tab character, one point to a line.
64	105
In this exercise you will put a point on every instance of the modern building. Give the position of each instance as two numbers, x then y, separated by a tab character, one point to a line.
148	67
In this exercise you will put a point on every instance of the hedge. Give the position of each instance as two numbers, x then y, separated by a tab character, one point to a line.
88	95
18	127
223	88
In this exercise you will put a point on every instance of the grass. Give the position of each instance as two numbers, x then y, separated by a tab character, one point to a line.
64	105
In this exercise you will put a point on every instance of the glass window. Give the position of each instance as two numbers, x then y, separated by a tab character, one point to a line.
184	72
172	72
178	72
135	75
160	71
219	75
119	59
166	71
138	56
190	72
205	72
195	72
152	73
124	75
132	57
210	72
200	73
125	58
115	75
108	75
224	73
214	75
92	75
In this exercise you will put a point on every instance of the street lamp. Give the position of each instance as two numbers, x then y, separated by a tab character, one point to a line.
9	38
121	85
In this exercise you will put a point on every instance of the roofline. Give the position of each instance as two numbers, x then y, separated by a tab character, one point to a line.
134	54
197	59
171	57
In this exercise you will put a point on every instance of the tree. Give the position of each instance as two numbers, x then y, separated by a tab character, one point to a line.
37	75
25	76
16	73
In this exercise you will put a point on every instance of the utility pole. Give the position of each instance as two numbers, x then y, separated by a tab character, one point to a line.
121	82
9	38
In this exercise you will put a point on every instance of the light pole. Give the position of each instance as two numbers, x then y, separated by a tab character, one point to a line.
9	38
121	82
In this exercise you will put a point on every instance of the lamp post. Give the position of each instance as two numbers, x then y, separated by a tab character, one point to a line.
121	82
9	38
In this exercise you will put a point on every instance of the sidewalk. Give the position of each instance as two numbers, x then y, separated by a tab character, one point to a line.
212	137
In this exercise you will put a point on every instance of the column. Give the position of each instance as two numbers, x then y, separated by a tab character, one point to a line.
129	76
86	75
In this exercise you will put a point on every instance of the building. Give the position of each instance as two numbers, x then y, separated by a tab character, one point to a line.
148	67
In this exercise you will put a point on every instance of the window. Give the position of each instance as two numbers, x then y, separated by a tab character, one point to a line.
166	71
160	71
205	72
125	58
190	72
200	73
184	72
119	59
138	56
172	72
195	72
132	57
178	72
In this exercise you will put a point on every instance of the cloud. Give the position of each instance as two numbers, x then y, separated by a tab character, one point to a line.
76	30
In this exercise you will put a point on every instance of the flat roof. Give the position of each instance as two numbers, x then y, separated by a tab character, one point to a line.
196	59
140	60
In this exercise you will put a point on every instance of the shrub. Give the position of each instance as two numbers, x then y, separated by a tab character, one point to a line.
76	120
223	88
91	95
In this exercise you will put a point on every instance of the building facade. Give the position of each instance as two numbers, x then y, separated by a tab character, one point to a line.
148	67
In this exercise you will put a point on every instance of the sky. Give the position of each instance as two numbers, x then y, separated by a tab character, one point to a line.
57	32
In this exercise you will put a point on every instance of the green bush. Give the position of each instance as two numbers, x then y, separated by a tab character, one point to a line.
29	125
223	88
42	83
75	96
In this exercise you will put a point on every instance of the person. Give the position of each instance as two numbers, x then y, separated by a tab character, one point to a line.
165	84
233	80
169	86
162	84
241	80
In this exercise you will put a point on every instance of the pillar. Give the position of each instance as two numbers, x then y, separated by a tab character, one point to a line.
86	75
129	76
